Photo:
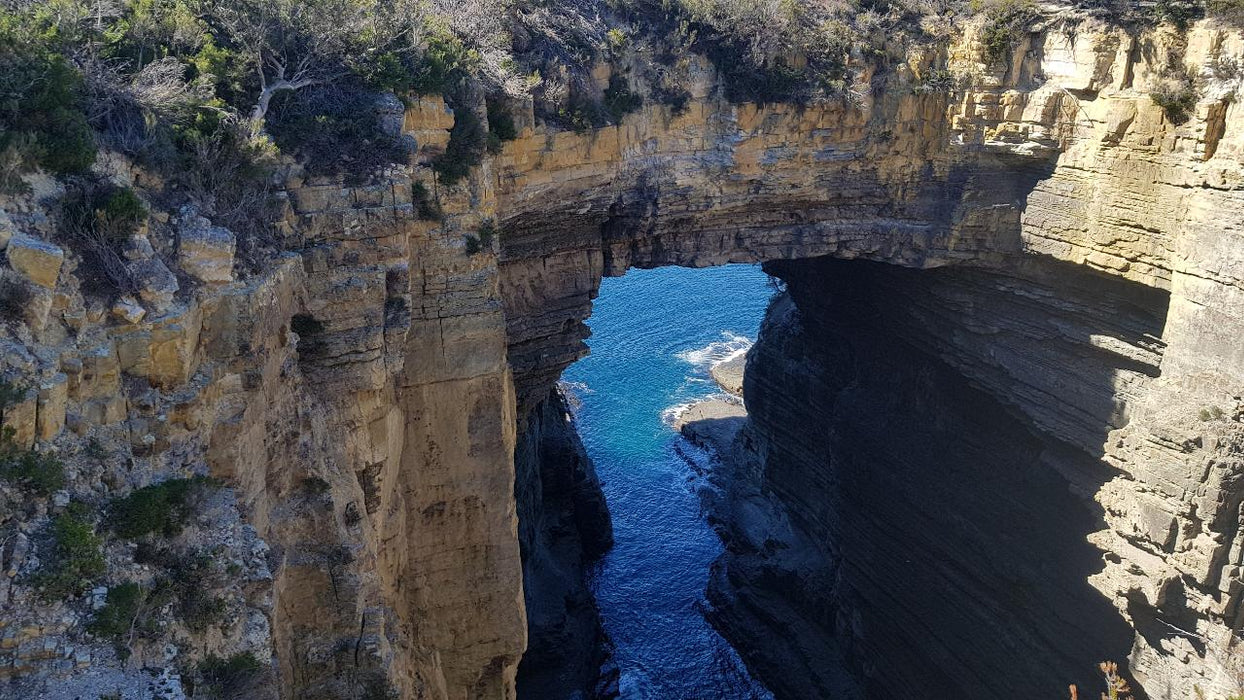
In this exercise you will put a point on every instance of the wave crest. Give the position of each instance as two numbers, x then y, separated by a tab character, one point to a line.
730	346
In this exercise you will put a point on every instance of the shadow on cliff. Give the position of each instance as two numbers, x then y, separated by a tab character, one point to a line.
564	526
937	435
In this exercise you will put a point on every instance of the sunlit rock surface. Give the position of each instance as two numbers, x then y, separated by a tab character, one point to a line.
379	359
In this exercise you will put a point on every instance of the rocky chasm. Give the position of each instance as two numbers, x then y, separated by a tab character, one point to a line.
995	419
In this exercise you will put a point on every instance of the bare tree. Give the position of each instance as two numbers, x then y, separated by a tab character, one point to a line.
290	44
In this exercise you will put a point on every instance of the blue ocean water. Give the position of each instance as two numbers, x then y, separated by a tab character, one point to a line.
655	333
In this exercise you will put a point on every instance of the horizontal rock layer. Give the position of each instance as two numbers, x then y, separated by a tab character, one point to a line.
378	357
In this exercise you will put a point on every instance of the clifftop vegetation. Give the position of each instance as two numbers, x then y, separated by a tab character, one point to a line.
210	94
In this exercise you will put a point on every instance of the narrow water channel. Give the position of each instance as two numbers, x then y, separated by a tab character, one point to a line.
655	333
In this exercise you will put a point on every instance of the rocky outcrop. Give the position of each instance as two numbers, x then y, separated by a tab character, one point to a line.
381	404
354	397
1056	163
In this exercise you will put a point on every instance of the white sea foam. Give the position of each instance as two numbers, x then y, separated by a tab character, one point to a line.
671	415
703	359
729	347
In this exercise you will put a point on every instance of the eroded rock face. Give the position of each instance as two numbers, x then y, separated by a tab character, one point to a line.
381	404
1059	164
952	531
563	526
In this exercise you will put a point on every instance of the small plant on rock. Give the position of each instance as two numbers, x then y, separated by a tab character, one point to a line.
426	206
77	559
1177	97
11	394
162	508
39	472
938	80
1211	413
232	677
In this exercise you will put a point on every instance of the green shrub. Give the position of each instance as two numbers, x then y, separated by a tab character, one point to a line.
162	508
501	122
77	559
1177	98
426	206
122	209
619	99
389	71
41	99
187	580
1178	12
467	141
677	99
68	143
232	677
473	246
501	126
119	615
1232	10
333	130
446	62
315	485
578	115
1004	21
101	211
42	473
487	233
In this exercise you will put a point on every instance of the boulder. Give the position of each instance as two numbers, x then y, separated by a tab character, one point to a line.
139	248
205	251
128	309
729	374
6	229
38	260
156	283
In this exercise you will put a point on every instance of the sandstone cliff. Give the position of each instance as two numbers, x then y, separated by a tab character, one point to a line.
367	398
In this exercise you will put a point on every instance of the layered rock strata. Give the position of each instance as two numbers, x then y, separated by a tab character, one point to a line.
414	380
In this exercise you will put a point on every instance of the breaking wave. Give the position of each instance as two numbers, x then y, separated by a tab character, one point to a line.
730	346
